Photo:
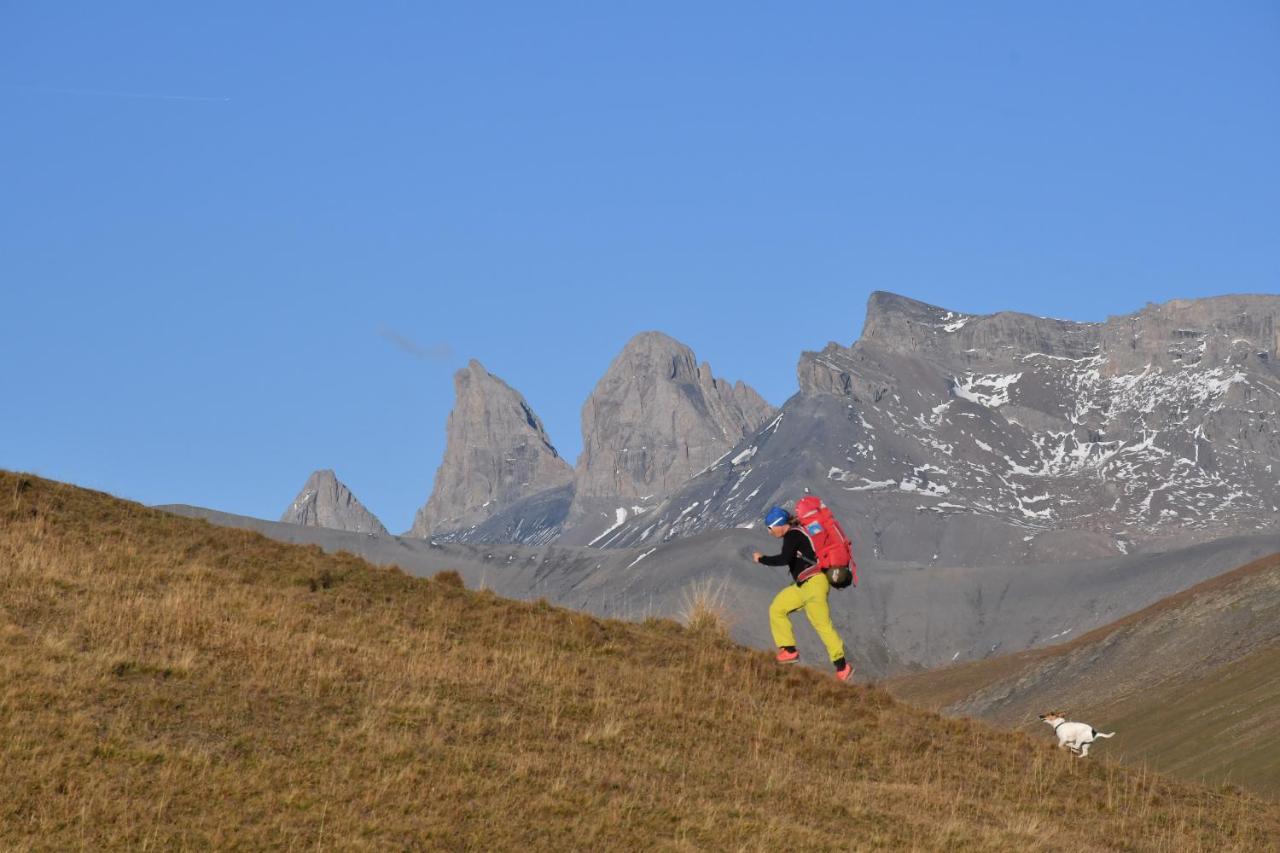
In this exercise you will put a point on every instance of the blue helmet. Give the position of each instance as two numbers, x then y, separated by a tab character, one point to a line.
776	517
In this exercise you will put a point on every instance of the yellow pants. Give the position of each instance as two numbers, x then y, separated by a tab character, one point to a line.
811	596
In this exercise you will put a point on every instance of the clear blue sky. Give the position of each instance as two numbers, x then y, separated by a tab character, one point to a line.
242	242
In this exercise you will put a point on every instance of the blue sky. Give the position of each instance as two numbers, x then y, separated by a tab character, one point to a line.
246	241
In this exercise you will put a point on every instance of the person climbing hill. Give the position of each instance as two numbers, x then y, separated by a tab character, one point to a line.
808	593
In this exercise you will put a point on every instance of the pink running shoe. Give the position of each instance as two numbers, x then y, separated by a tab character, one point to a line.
846	673
785	656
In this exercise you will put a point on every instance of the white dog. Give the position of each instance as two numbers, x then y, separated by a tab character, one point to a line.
1074	736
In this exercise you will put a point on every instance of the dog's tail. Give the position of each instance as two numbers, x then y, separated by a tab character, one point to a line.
1104	734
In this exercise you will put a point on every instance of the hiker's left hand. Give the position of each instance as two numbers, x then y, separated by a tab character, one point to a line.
756	556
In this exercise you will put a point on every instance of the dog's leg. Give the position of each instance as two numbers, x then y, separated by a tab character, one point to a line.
1084	750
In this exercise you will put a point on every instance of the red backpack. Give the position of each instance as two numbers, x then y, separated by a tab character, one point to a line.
830	544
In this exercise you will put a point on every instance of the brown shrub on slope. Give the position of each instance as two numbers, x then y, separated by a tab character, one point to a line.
165	683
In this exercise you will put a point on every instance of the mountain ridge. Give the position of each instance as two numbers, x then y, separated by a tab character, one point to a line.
938	439
939	436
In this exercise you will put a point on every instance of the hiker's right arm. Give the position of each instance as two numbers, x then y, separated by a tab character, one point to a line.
783	559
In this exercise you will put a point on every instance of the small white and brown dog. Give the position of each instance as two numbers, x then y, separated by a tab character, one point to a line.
1074	736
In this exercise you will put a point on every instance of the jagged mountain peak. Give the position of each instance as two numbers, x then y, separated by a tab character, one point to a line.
654	419
475	371
497	452
325	502
653	339
658	353
475	380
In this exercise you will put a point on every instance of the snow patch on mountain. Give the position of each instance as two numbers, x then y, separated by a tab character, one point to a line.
991	391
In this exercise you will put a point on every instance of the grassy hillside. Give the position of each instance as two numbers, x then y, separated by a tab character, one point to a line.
169	684
1191	683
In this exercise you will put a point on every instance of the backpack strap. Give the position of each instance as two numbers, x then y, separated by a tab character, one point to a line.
813	567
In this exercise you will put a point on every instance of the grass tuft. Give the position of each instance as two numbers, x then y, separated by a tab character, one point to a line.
449	578
703	610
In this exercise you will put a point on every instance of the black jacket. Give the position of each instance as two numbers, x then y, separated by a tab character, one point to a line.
797	554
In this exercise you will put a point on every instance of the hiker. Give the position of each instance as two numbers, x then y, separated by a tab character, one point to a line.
808	593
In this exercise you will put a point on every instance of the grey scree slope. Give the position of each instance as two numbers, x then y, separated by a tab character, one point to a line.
901	617
325	502
1004	439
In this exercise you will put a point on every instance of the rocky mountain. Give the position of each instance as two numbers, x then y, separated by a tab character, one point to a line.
1006	438
497	453
325	502
655	419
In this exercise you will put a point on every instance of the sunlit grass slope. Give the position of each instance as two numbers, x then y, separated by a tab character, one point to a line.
168	684
1190	684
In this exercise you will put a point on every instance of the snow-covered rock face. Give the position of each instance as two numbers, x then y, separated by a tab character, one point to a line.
325	502
976	439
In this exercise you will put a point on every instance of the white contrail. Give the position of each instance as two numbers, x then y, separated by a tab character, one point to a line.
153	96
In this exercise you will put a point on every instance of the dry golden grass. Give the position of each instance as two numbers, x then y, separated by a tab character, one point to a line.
165	684
703	610
1191	683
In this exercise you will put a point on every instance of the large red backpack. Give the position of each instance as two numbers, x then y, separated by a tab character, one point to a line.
830	543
